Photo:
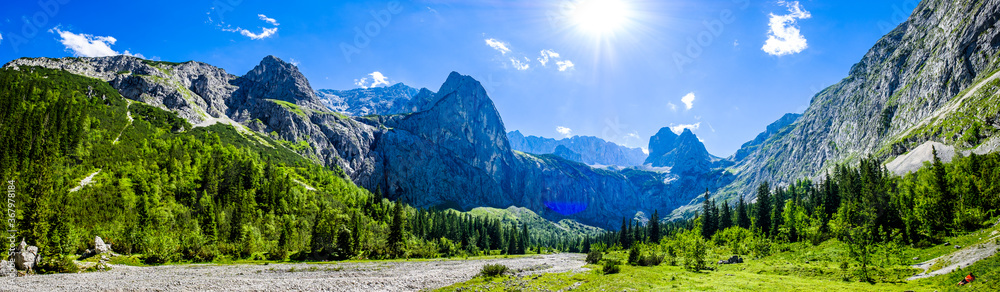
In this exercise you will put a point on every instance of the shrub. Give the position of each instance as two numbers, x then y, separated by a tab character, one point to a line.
650	260
493	270
611	267
57	264
594	256
633	255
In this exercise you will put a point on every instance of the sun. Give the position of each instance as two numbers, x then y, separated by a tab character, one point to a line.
599	17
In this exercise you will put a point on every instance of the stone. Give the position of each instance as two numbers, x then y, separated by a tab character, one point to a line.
732	260
99	245
26	257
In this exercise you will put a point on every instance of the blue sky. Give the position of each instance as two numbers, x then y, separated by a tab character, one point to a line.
625	68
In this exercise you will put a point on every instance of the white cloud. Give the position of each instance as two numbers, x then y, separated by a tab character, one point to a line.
85	45
783	38
520	66
377	79
363	82
678	129
565	65
268	32
498	45
688	100
546	54
1	38
268	20
265	32
293	61
672	106
565	131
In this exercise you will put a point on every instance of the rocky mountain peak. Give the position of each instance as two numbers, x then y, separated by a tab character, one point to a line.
684	153
276	79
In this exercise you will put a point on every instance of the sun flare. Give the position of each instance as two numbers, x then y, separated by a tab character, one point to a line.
600	17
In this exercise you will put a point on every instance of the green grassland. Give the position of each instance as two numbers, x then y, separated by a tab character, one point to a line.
799	267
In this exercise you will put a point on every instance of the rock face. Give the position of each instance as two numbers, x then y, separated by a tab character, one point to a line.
592	150
908	89
396	99
779	127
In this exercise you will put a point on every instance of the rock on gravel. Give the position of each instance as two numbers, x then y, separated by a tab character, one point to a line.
411	275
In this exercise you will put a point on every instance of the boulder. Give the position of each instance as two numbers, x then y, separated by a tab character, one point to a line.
101	247
26	257
732	260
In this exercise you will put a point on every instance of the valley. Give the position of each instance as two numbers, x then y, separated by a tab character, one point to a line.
140	174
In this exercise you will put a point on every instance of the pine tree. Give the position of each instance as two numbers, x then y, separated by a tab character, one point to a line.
654	228
623	234
396	232
725	217
707	217
742	217
763	222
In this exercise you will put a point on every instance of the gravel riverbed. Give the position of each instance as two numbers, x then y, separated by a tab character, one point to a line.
334	276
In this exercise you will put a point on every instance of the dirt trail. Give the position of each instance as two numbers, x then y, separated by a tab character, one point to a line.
959	259
357	276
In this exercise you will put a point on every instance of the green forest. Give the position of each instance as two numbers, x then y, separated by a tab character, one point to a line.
163	191
875	214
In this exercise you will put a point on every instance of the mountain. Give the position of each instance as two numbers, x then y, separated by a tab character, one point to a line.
453	153
683	153
390	100
592	150
932	78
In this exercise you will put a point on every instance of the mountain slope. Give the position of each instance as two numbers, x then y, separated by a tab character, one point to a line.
907	89
592	150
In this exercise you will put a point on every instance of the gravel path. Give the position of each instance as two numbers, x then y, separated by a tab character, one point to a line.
962	258
356	276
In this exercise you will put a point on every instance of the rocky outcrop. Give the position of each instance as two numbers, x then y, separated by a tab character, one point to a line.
390	100
592	150
193	90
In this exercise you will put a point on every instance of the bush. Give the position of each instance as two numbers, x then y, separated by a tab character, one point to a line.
493	270
594	257
650	260
633	255
57	264
611	267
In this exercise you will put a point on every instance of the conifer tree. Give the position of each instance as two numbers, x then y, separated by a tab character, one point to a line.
763	222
